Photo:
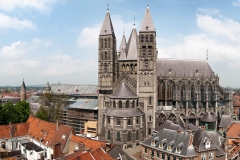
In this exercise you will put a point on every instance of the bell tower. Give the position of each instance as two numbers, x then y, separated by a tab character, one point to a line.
23	91
106	66
147	70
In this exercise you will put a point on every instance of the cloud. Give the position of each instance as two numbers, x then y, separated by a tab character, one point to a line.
10	5
236	3
9	22
89	35
212	11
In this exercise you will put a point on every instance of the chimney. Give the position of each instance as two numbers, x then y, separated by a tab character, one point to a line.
57	150
58	124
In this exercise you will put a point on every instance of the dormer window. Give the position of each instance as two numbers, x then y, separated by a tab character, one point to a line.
154	141
170	145
179	147
207	143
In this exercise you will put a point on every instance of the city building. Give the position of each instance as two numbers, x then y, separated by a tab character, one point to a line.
139	91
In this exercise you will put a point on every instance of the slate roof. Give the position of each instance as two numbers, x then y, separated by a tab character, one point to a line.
89	104
181	67
122	49
200	136
169	125
177	140
30	145
190	126
124	91
132	44
123	112
107	27
117	151
33	99
147	22
226	121
13	100
23	85
208	117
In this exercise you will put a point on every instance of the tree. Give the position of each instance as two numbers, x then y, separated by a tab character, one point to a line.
42	113
53	103
18	113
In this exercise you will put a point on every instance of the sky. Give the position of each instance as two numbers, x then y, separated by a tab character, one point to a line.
57	40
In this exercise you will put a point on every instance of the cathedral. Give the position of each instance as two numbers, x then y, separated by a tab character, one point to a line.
139	91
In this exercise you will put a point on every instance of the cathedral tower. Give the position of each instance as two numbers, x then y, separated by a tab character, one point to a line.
106	66
147	69
23	91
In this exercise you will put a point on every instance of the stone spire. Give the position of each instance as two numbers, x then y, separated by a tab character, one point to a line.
147	23
48	88
107	27
23	91
132	45
122	49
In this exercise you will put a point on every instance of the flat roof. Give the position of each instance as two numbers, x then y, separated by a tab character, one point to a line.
88	104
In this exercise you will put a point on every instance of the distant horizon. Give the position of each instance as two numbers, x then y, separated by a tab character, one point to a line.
58	40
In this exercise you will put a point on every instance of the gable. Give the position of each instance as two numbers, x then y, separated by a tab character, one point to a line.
127	80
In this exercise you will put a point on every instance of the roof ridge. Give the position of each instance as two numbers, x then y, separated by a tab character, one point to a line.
147	23
201	60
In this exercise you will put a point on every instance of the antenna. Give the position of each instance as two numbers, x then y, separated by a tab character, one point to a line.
207	54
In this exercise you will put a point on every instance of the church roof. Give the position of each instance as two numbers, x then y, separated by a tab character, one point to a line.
226	121
124	112
124	92
132	45
122	49
107	27
208	117
23	85
147	23
183	67
169	125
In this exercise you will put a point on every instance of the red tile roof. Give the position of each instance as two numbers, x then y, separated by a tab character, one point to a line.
89	143
234	131
19	129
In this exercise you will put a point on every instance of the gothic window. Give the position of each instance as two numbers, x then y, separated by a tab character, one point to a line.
120	104
109	55
145	149
146	38
170	88
114	104
161	90
105	43
151	38
161	119
129	122
150	100
106	56
137	132
127	104
118	122
109	43
150	118
109	120
137	120
146	63
152	153
149	131
172	118
144	52
133	104
102	56
142	38
131	67
109	135
118	137
150	52
129	136
182	92
101	43
105	67
158	154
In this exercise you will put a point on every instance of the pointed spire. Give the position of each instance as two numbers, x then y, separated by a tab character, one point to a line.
132	45
147	23
23	85
107	27
122	49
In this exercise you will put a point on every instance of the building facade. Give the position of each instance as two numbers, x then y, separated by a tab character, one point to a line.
175	89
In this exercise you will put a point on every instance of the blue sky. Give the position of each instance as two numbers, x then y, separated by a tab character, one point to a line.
56	40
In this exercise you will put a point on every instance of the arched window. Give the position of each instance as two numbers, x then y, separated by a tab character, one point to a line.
114	104
146	38
150	118
161	119
109	135
146	63
105	43
127	104
129	122
151	38
142	38
106	56
105	67
118	137
133	104
102	43
144	52
137	132
109	43
118	122
129	136
102	56
120	104
172	118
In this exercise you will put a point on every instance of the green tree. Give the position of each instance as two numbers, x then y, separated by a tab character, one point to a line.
53	103
42	113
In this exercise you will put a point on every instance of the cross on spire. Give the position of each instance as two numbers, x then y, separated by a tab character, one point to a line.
107	7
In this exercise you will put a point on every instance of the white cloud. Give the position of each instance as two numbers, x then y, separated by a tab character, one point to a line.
236	3
10	5
9	22
212	11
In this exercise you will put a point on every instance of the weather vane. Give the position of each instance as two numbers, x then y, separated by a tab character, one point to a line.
107	6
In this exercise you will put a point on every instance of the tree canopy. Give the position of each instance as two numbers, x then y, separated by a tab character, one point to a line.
18	113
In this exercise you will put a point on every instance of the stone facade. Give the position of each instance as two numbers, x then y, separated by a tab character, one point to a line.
179	90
